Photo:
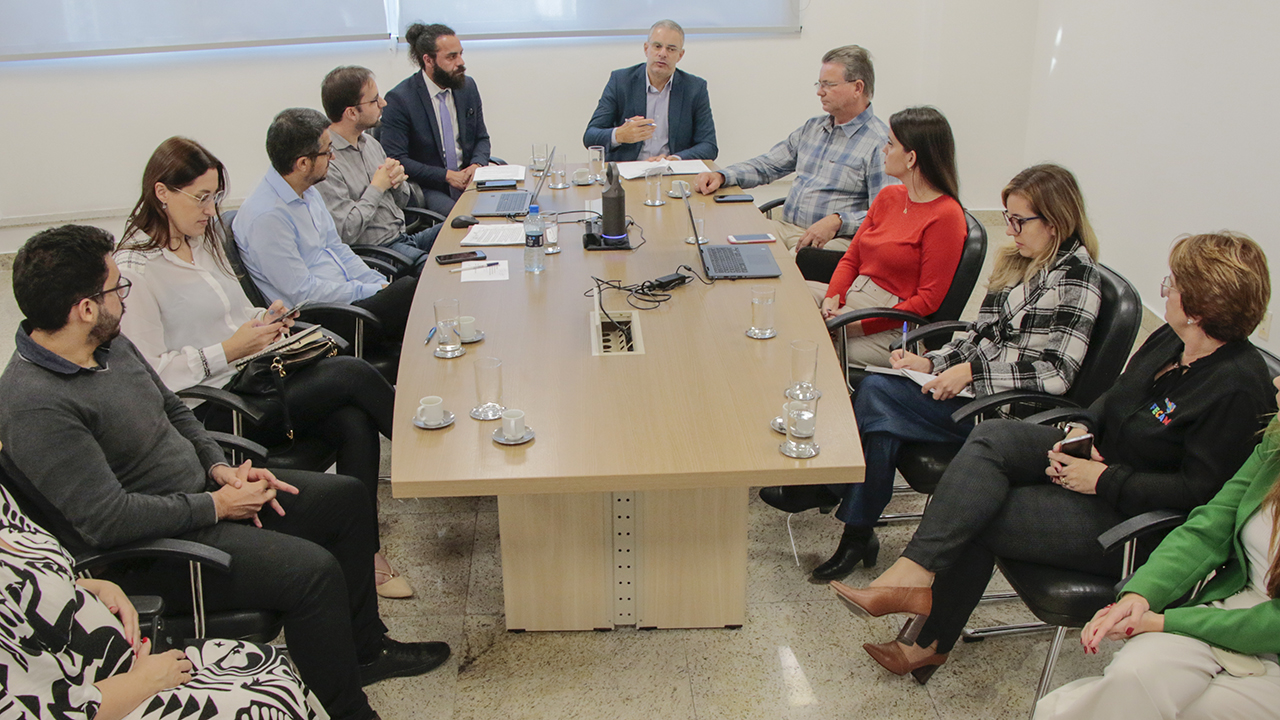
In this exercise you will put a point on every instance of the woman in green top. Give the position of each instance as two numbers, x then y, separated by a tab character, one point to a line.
1214	656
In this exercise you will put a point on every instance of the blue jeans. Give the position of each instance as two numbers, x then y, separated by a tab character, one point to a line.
891	411
416	247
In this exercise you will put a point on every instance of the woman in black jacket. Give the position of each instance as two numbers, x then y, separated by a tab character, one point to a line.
1181	419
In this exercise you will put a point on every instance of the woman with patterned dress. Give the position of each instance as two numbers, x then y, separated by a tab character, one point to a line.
69	650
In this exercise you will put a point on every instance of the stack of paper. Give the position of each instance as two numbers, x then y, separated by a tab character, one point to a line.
493	234
499	172
637	169
920	378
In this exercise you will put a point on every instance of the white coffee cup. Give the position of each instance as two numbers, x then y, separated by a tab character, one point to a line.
582	176
467	327
430	410
513	424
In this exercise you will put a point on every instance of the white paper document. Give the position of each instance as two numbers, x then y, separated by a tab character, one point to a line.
487	235
483	270
920	378
499	172
638	168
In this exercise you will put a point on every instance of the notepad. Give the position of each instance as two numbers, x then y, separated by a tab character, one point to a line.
638	168
482	271
499	172
920	378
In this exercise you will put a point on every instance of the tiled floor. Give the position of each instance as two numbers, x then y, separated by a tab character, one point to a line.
798	655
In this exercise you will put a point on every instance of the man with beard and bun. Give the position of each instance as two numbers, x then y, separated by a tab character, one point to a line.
434	123
94	440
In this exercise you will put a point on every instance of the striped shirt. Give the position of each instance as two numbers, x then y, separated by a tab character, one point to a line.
839	169
1034	335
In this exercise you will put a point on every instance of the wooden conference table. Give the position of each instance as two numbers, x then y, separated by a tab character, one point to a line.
630	506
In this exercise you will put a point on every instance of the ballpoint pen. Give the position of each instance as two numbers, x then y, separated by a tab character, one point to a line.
904	338
486	265
430	335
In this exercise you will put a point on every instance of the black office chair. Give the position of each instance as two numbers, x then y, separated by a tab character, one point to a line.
770	205
167	629
969	268
1114	331
360	328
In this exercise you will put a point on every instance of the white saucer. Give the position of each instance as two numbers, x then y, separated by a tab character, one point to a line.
474	338
445	422
501	439
584	184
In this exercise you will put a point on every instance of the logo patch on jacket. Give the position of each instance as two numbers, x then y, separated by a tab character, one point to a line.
1163	415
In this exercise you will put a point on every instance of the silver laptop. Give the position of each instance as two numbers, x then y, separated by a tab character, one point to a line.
513	203
731	262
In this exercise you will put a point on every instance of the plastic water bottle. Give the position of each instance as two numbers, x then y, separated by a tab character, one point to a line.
534	259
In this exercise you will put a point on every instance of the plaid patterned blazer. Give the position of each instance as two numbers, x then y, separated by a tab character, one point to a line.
1034	335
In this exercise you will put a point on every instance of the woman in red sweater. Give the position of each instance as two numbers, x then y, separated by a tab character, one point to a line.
907	249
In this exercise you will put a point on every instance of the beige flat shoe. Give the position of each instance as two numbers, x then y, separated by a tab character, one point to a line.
395	587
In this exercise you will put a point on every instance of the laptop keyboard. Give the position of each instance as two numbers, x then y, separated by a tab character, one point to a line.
512	202
725	260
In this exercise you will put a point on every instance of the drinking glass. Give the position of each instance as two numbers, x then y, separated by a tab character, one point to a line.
761	313
488	389
558	179
449	345
700	228
802	417
538	158
653	187
804	368
595	160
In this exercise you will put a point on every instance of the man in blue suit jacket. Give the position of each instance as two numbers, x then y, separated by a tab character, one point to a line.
434	123
653	111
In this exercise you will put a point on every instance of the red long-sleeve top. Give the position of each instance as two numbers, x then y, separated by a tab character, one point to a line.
910	249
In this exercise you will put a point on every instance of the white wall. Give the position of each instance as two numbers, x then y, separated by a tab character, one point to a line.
1166	110
79	131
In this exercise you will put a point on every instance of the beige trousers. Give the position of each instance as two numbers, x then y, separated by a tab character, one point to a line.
1162	675
789	235
863	293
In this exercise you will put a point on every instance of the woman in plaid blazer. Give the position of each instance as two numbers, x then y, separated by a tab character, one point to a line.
1032	333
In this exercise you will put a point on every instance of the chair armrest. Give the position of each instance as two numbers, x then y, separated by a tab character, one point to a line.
839	321
161	548
766	208
495	160
1135	527
340	318
431	216
382	267
932	330
385	254
248	449
1008	397
1058	415
417	198
337	339
224	398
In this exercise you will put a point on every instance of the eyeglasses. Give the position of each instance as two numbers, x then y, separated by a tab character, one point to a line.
315	155
122	289
828	85
1166	286
205	200
1016	222
376	98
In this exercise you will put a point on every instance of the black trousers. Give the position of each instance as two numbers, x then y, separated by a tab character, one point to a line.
996	501
342	400
314	565
391	305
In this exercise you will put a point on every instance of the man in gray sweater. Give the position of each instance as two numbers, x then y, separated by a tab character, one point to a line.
92	435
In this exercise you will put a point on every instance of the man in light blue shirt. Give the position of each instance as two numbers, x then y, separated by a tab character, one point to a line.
287	237
837	159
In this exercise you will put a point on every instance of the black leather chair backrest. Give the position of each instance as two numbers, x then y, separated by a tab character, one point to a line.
251	291
1114	331
1273	362
972	257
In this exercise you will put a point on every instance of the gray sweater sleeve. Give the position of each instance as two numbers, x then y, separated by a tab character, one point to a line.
207	449
62	460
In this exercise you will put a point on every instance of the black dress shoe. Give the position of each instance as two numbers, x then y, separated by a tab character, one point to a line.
401	659
857	545
798	498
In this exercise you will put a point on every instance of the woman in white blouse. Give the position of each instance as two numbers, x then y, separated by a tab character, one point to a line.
189	316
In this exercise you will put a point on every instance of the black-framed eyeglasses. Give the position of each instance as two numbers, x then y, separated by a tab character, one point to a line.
315	155
376	98
121	290
1166	286
1016	222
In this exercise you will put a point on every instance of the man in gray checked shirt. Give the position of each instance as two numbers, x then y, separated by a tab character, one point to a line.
836	157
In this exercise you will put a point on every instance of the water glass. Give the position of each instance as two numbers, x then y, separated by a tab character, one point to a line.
699	227
488	389
653	187
802	418
804	368
761	313
558	179
449	344
538	158
595	161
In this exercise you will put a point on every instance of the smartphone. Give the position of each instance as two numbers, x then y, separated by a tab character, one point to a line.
496	185
456	258
1080	446
757	238
734	198
291	311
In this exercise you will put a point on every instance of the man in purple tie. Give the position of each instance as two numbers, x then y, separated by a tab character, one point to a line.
434	123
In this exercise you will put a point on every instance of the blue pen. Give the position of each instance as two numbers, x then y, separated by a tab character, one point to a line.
430	335
904	338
